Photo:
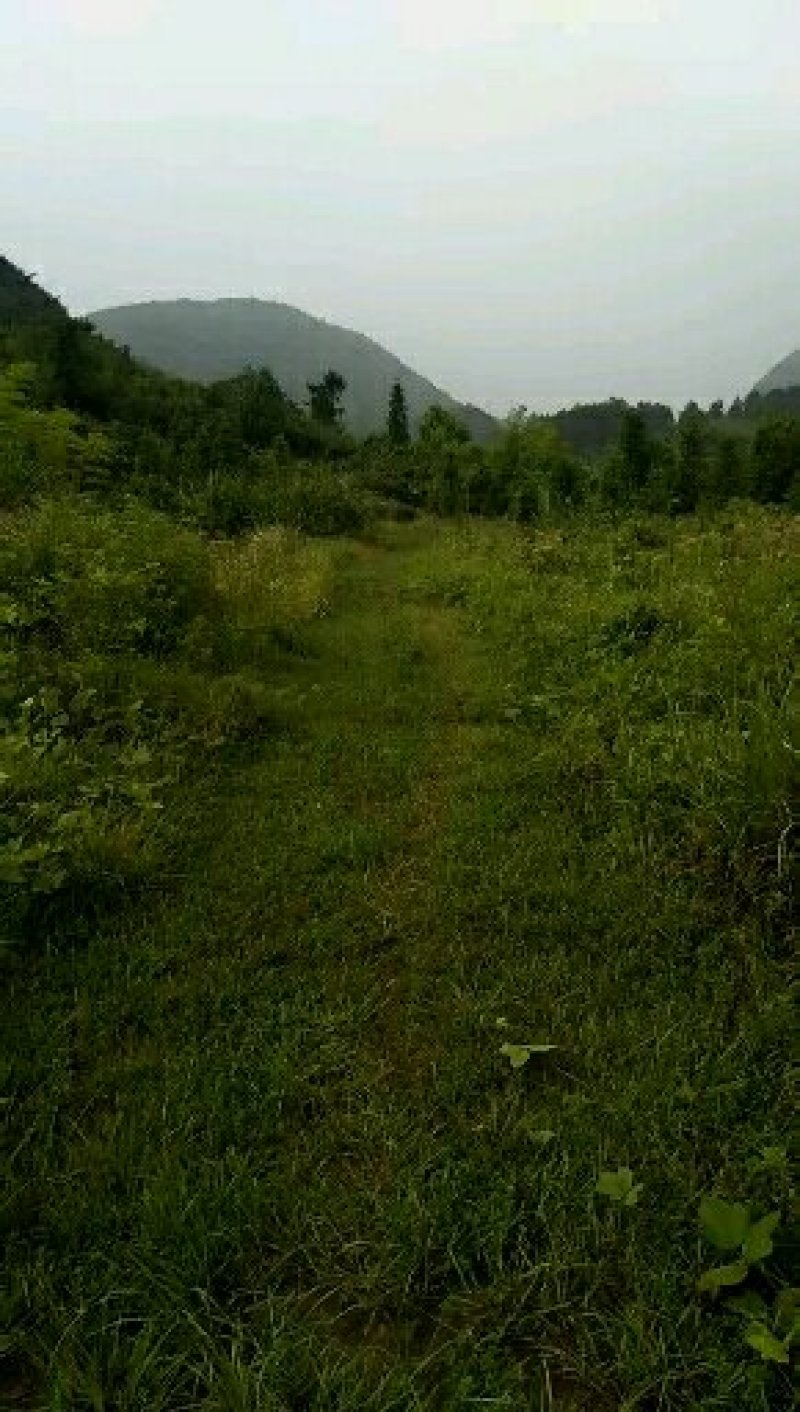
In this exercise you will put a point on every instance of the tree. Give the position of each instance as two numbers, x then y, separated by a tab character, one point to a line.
776	459
567	479
530	471
397	425
325	398
438	427
262	410
724	469
691	460
446	462
636	452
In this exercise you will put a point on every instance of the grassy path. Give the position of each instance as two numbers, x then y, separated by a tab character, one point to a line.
269	1153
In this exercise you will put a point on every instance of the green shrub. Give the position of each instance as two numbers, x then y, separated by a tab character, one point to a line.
318	501
131	648
44	452
101	581
226	505
87	595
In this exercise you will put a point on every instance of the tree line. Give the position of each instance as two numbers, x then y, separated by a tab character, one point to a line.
654	462
78	413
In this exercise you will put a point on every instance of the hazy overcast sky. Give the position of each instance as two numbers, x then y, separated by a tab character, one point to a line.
531	201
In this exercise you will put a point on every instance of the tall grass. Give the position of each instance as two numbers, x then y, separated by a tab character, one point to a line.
269	1149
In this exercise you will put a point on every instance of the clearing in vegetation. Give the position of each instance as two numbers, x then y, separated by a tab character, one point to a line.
442	1047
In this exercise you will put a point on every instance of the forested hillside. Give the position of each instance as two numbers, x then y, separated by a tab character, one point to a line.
209	341
22	300
397	853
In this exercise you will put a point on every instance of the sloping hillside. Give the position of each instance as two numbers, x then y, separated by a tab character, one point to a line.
784	374
22	301
207	341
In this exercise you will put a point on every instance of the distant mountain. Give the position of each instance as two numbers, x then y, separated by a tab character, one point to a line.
208	341
783	375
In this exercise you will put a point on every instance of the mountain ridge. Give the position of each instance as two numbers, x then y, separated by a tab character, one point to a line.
783	375
22	299
209	340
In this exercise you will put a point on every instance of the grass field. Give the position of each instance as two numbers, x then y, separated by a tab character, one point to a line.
267	1148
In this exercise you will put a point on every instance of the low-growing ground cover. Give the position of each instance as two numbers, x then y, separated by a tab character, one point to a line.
441	1046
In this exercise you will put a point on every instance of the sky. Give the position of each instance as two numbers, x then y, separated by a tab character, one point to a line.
530	201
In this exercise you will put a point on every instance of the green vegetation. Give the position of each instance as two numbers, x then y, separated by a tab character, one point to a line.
128	650
219	339
397	916
397	423
272	1151
325	398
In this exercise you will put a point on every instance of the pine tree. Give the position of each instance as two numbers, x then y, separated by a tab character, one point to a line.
397	425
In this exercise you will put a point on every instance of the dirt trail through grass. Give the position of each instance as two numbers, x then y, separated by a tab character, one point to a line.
271	1155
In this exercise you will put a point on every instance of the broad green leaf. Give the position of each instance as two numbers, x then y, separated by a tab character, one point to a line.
723	1223
619	1186
723	1277
519	1054
787	1312
772	1349
758	1241
749	1303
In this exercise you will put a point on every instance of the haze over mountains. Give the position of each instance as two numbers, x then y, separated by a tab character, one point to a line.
210	340
207	340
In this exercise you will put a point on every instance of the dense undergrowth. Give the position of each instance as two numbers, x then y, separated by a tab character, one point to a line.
315	848
133	649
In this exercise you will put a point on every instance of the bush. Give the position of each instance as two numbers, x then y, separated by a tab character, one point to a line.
44	452
225	505
94	581
86	596
318	501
